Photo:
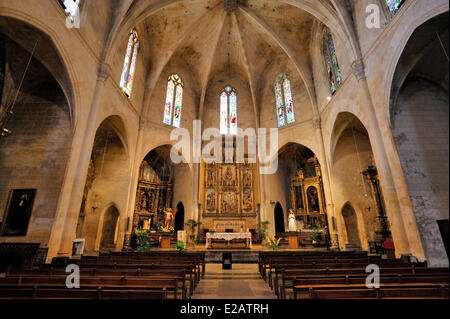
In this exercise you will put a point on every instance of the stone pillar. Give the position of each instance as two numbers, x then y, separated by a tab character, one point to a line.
317	124
66	217
405	241
134	172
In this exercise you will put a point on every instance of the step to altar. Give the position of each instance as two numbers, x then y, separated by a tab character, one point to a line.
237	256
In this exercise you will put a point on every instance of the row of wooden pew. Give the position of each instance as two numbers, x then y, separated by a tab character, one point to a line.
117	275
342	275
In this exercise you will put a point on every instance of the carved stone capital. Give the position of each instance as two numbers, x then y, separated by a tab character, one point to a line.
103	72
358	69
317	123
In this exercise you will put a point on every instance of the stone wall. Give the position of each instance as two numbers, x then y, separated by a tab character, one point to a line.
420	129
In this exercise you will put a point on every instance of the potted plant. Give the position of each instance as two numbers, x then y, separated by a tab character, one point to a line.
181	246
262	230
142	239
274	243
192	224
315	235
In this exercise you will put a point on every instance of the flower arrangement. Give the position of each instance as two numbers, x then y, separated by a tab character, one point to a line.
274	243
162	229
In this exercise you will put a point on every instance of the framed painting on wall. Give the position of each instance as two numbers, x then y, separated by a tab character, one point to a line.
18	212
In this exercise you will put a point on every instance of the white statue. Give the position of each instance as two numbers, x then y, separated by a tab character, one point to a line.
292	221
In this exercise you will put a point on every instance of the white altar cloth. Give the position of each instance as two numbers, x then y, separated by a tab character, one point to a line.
228	237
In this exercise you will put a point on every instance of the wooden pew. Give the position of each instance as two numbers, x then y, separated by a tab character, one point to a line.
37	292
386	291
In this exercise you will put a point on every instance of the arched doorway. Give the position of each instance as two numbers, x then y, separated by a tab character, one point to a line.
109	228
351	227
279	219
179	217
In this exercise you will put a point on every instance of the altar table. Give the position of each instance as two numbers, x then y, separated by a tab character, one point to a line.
229	237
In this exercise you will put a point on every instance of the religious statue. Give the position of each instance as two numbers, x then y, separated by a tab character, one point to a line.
247	198
313	200
167	218
145	202
211	200
247	179
292	221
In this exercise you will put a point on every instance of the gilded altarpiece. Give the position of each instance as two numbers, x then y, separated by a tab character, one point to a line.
152	197
307	196
229	191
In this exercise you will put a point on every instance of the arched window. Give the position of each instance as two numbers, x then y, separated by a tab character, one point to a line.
228	111
284	101
331	62
71	7
174	101
129	64
394	5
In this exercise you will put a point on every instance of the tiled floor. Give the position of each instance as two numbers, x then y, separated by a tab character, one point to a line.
241	282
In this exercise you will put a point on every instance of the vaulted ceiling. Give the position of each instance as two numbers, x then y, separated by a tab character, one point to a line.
243	37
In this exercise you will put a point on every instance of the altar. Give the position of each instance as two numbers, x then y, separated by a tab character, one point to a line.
228	237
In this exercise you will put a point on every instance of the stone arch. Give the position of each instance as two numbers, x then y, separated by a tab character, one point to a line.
179	217
109	228
350	220
402	38
352	156
418	113
59	64
279	219
107	177
39	117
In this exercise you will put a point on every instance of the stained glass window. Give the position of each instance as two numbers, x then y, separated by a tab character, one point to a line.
71	7
394	5
174	101
228	111
283	100
129	64
331	62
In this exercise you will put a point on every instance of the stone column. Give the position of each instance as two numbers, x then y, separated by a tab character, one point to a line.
134	173
66	217
317	124
405	241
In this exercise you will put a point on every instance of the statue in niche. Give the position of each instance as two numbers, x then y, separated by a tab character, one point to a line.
313	199
247	198
247	180
211	176
145	201
211	199
228	178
